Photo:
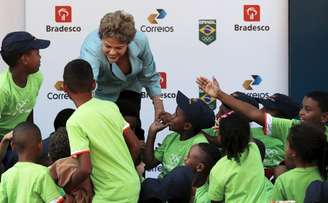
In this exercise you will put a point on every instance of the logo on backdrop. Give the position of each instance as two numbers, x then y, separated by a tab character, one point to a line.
210	101
155	19
166	94
59	94
249	85
63	14
163	80
207	31
252	13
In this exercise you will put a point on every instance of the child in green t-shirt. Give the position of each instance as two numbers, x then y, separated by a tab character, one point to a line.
201	158
305	152
190	117
27	181
100	139
239	175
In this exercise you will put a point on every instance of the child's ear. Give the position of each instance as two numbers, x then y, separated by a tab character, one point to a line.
65	87
187	126
94	85
324	117
200	167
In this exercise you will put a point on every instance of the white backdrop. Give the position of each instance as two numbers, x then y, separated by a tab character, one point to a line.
260	48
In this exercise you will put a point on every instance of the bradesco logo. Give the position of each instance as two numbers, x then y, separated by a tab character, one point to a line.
63	14
163	80
60	94
249	85
154	19
252	13
163	83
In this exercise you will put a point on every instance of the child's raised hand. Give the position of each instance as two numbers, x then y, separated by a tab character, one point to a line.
8	137
209	87
157	126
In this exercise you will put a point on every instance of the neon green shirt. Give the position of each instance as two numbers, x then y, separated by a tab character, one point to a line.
173	151
243	182
274	148
201	195
16	103
293	184
97	126
29	183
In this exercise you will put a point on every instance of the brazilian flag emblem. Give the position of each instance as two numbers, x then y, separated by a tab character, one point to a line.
207	31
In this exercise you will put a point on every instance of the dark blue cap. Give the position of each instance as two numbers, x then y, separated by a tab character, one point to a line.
245	98
197	112
20	42
281	103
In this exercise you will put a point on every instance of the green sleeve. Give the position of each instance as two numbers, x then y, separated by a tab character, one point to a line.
278	192
3	101
78	139
3	192
280	128
47	188
159	151
216	184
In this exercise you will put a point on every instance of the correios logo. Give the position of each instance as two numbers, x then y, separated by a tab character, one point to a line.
63	14
252	13
248	84
60	94
156	18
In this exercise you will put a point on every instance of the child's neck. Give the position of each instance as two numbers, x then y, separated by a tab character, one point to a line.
184	135
19	76
27	157
301	164
81	98
199	180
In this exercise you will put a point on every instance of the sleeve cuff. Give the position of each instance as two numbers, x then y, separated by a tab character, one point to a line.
78	153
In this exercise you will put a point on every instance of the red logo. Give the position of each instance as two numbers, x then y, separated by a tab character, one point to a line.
63	14
163	81
252	13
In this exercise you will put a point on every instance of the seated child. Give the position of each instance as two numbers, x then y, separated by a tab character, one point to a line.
190	117
64	166
239	175
27	181
306	151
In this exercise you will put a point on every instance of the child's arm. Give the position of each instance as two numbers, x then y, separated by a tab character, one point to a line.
4	144
149	157
212	88
83	171
133	143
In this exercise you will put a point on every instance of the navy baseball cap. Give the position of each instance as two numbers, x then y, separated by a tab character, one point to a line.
245	98
282	103
20	42
197	112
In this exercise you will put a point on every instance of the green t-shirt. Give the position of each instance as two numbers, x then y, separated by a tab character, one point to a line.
293	184
172	151
274	148
97	126
279	127
16	103
29	183
243	182
201	195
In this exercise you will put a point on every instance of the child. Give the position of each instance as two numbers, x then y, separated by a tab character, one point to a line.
201	158
238	176
20	84
100	139
64	167
314	110
27	181
190	117
306	151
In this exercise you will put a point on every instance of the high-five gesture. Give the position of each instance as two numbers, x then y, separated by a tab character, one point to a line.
211	88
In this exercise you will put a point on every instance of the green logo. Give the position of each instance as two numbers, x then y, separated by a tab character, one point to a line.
207	31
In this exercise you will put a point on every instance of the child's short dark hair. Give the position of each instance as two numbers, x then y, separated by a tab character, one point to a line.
235	135
78	76
59	144
321	97
310	145
24	134
62	117
211	154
